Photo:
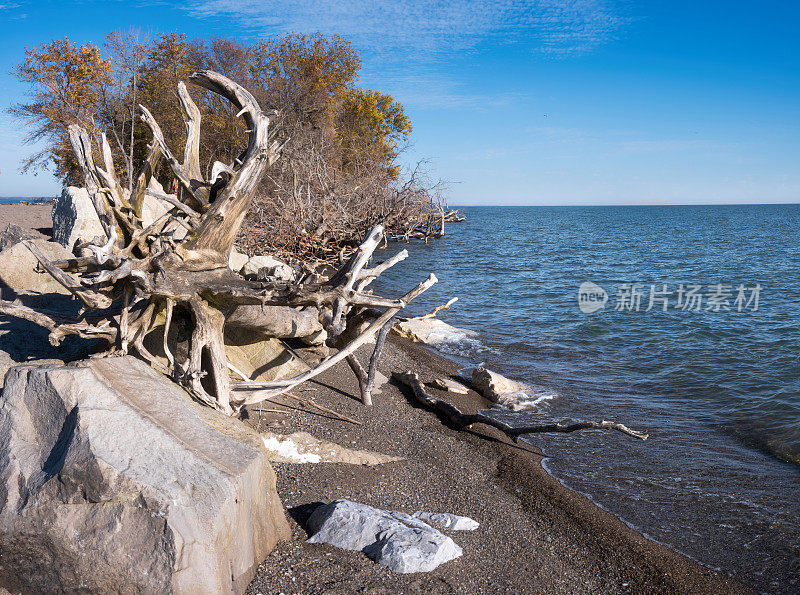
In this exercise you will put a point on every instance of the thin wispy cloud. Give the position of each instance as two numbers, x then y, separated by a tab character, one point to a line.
410	43
432	90
426	29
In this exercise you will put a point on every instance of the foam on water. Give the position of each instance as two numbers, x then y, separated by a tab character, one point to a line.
459	342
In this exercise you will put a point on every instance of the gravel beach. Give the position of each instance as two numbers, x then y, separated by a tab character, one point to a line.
536	536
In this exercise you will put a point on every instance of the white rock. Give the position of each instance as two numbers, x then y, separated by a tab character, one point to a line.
75	218
499	389
152	209
19	268
237	260
112	480
396	540
445	520
276	268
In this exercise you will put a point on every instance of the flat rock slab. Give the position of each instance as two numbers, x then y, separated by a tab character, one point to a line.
113	480
302	447
449	385
401	542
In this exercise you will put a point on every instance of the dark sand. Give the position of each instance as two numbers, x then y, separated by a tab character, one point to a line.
535	535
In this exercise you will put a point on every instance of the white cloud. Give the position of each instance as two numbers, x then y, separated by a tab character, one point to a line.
420	29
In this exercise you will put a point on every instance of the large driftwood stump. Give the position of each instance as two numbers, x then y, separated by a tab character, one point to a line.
139	278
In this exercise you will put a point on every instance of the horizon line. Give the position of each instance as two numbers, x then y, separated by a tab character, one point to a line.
565	205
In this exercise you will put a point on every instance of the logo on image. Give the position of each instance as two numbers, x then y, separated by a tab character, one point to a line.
591	297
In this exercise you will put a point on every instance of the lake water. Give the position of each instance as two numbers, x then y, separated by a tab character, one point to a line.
714	379
13	200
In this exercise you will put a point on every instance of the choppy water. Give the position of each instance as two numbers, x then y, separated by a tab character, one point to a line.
719	391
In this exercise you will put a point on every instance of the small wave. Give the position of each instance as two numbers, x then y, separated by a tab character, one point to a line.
537	397
460	342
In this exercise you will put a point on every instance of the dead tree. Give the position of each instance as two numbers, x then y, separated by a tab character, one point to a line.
142	277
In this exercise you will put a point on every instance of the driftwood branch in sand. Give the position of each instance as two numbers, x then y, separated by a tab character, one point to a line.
174	271
463	420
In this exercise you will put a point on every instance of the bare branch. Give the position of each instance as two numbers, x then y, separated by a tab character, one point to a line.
464	420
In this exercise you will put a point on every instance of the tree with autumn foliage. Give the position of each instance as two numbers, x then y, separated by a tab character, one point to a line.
69	84
339	174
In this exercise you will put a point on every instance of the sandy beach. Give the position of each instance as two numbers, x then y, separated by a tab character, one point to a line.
36	218
535	535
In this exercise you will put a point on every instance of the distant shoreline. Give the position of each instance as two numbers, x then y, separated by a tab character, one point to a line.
17	200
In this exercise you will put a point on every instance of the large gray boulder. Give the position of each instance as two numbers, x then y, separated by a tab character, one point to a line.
393	539
113	480
20	270
75	218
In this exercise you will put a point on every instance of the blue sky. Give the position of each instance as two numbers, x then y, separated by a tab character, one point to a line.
547	102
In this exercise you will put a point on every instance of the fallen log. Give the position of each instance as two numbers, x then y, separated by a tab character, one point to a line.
464	420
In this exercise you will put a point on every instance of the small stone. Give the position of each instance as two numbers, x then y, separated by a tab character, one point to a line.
275	268
237	260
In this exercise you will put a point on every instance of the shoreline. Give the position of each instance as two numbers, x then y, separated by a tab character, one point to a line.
548	537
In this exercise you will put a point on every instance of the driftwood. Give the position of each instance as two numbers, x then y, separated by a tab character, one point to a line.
464	420
176	268
437	309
